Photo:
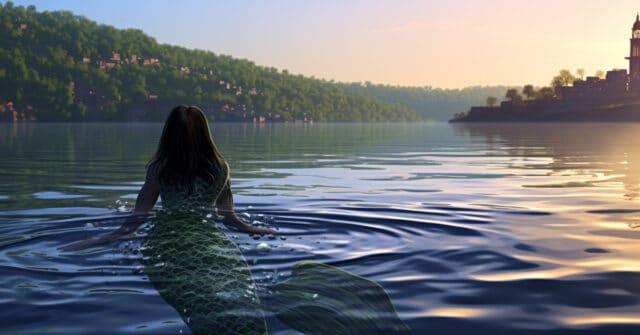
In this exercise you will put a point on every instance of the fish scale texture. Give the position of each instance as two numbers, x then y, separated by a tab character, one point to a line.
197	269
320	299
202	274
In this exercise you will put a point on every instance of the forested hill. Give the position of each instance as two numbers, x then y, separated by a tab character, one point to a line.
431	103
57	66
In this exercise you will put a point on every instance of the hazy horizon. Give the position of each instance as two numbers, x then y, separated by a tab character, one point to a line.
410	43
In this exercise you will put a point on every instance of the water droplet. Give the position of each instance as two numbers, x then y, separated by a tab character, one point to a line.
263	248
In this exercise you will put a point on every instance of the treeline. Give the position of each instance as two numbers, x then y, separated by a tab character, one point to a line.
57	66
564	78
430	103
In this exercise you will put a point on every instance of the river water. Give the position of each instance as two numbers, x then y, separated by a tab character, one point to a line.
490	229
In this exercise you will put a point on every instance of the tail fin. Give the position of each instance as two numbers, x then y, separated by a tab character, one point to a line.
321	299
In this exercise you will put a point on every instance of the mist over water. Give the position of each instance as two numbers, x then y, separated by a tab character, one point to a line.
495	229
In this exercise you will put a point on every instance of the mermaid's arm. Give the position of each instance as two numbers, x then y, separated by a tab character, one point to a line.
224	203
147	198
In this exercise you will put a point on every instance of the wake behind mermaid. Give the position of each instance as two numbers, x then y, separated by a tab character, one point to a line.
203	275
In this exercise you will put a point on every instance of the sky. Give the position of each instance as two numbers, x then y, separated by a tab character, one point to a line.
448	44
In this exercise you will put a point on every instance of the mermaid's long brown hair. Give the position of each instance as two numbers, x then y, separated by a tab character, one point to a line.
186	150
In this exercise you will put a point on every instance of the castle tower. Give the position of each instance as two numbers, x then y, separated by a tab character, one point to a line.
634	59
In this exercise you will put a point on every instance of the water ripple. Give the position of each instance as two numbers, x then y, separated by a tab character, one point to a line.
498	230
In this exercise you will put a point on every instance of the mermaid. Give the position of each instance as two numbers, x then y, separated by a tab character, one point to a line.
202	274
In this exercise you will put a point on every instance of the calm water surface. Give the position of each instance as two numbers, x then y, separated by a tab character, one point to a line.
490	229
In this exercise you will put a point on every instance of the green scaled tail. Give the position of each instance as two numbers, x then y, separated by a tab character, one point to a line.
320	299
202	274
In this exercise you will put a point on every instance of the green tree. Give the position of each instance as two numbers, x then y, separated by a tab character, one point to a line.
513	96
564	78
545	94
529	91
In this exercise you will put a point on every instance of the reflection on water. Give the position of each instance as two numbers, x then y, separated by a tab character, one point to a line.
583	159
527	229
599	155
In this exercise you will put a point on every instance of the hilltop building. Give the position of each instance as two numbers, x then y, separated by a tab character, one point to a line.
616	97
634	58
617	83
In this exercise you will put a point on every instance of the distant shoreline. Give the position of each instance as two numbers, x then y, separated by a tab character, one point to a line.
222	121
589	110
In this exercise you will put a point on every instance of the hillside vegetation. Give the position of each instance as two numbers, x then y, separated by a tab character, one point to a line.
58	66
430	103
